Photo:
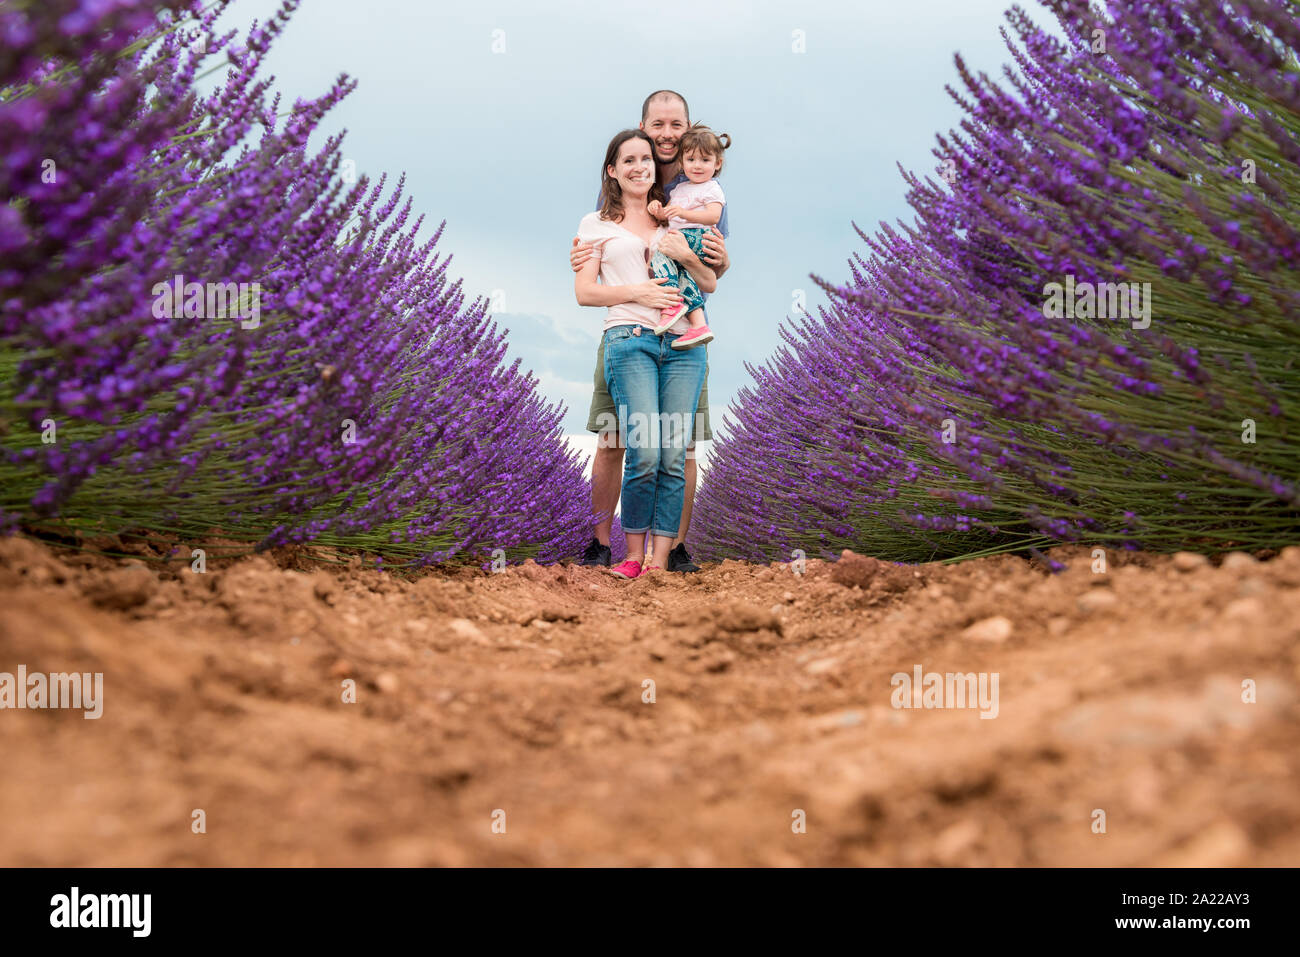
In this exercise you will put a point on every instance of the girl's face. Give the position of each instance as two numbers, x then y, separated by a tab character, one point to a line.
634	167
699	167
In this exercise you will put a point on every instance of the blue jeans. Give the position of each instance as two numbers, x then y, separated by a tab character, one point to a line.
656	389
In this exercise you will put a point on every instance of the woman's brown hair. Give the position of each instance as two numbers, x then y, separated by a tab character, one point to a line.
702	139
611	194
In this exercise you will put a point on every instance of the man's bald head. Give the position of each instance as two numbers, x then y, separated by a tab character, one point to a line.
664	96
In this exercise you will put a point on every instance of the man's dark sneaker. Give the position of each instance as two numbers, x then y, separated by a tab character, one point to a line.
679	560
596	554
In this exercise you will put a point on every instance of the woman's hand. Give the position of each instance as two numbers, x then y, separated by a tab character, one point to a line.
654	294
674	246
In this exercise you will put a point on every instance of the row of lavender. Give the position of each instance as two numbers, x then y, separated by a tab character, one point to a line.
207	330
1088	334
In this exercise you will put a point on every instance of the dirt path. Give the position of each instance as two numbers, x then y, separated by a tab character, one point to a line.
522	692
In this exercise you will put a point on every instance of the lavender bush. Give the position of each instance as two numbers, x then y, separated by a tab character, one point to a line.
976	388
319	377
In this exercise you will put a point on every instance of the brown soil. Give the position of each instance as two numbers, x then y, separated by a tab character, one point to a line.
522	692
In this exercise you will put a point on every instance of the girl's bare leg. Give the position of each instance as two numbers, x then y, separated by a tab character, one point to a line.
636	546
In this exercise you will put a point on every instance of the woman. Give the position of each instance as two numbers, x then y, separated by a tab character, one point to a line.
655	387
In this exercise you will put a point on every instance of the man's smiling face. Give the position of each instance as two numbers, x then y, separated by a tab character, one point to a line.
665	121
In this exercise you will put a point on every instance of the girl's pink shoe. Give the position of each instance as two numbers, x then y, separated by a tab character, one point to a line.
651	568
629	569
692	338
667	317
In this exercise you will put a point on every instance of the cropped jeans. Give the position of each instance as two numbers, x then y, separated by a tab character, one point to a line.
656	390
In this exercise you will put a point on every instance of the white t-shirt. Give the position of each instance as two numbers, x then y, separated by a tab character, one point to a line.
623	263
690	195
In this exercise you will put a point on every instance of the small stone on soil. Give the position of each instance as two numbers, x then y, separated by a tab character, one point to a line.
1189	561
996	629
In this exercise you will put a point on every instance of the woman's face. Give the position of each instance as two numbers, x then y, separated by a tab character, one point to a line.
634	167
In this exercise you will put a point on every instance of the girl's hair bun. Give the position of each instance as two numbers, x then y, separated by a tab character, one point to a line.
700	137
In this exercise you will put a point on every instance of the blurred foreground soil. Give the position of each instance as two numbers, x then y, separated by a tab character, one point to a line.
525	692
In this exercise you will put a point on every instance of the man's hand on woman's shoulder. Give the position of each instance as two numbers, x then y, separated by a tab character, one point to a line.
579	253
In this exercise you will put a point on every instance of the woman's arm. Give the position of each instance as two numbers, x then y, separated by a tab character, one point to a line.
650	293
674	246
704	277
590	292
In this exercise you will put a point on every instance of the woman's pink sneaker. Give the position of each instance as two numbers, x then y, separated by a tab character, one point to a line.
629	569
693	337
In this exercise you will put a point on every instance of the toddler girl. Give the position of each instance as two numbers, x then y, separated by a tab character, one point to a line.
693	207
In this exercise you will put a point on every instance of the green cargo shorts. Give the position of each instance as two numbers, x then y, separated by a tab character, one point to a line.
602	412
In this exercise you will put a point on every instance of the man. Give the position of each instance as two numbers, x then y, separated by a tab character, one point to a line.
664	117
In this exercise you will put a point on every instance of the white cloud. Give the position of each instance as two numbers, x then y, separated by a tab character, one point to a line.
575	395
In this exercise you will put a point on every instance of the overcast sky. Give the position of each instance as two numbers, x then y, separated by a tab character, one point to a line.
507	146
